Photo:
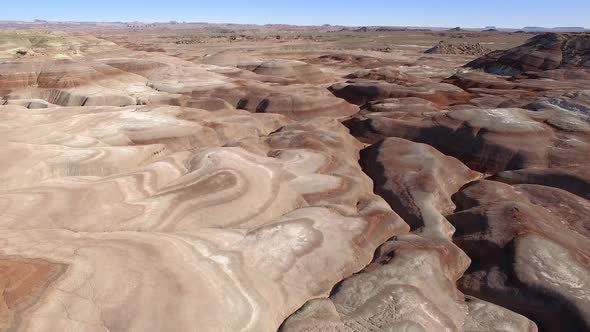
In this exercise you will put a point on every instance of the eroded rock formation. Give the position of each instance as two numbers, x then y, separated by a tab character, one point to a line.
461	48
410	286
529	249
544	52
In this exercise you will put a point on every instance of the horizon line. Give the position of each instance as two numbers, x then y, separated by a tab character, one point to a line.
173	22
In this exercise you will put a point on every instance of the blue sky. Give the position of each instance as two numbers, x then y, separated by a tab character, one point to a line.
465	13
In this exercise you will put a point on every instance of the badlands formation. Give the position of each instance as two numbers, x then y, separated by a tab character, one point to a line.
296	180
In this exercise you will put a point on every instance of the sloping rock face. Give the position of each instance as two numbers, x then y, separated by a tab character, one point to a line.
407	104
575	179
458	49
491	140
361	92
415	179
530	249
543	52
296	102
291	69
410	286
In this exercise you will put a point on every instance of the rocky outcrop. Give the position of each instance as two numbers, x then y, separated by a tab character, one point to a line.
458	49
297	102
415	179
575	179
489	141
543	52
386	74
408	104
411	283
297	70
530	247
361	92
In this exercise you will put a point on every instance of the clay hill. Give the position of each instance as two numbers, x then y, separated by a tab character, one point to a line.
547	51
218	178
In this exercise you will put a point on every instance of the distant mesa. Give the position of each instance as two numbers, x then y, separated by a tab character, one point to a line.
379	29
556	29
388	29
535	29
456	29
571	29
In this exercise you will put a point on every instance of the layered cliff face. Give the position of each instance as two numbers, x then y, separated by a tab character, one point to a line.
544	52
284	190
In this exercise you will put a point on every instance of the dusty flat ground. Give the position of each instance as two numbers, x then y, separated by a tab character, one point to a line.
259	179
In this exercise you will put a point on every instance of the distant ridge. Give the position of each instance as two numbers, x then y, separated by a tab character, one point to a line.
73	25
556	29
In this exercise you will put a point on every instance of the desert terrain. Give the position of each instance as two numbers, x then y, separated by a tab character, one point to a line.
177	177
